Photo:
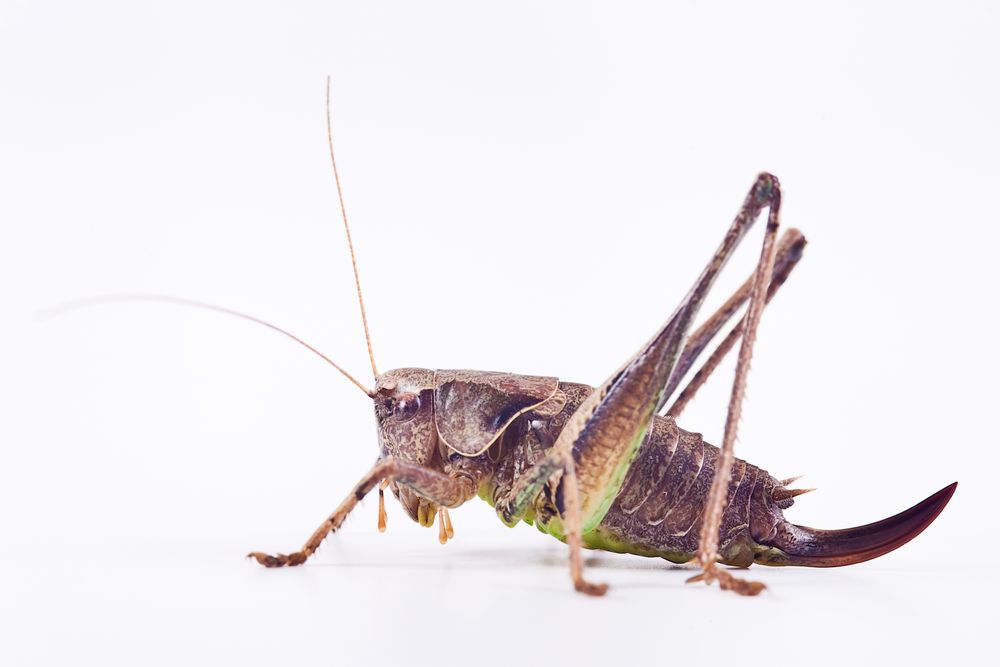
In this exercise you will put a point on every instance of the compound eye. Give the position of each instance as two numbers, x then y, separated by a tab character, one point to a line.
406	407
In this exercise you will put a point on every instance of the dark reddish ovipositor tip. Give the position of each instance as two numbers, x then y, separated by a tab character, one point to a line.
813	547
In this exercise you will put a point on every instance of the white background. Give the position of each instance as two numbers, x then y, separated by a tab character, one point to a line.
532	186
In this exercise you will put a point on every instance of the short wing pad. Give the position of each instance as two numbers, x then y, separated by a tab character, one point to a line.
472	408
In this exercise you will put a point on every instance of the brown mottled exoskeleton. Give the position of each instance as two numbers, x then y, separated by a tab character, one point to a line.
598	467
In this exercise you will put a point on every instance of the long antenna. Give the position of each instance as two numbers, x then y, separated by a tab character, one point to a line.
116	298
347	230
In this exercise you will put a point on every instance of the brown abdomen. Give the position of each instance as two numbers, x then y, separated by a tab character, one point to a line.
658	511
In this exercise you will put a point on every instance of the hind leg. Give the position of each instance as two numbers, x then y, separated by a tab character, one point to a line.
595	447
708	548
788	255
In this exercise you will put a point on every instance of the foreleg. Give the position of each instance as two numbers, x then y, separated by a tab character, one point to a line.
436	486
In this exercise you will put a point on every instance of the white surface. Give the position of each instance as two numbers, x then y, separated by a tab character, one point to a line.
532	189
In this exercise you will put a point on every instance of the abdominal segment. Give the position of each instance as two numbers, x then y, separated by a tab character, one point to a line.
658	511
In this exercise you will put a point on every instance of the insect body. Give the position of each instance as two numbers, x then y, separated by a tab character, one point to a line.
599	467
604	467
656	509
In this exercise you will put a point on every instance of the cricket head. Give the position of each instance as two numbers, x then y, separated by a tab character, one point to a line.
404	414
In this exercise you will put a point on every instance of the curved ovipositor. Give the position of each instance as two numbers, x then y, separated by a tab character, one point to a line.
813	547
